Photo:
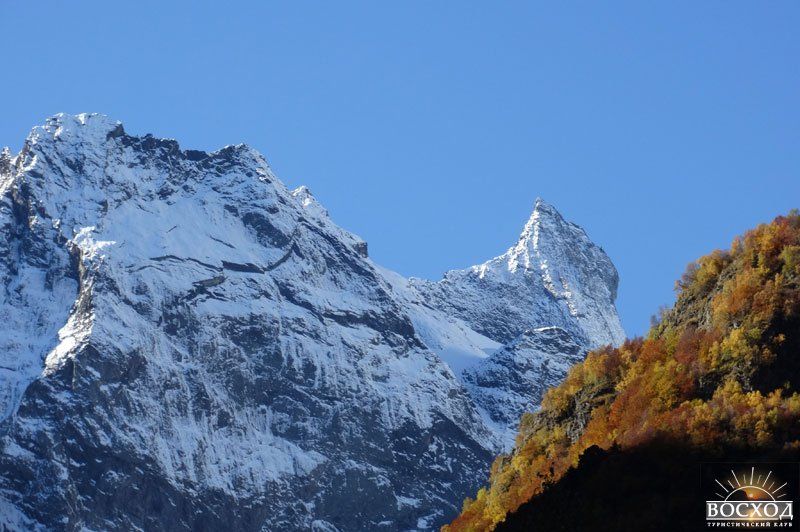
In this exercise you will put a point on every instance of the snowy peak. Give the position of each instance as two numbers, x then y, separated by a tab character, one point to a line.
88	137
549	299
543	217
208	337
544	240
553	276
84	128
543	212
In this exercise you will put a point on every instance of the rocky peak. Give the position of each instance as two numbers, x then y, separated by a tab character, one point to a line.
553	276
545	223
548	241
183	326
208	340
77	129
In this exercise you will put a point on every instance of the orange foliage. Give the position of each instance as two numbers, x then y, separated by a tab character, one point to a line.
697	377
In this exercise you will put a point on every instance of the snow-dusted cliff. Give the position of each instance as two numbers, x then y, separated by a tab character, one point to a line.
553	276
185	343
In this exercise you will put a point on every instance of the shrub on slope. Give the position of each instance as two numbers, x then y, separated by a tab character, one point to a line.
717	374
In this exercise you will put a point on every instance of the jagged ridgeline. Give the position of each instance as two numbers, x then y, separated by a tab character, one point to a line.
186	344
617	444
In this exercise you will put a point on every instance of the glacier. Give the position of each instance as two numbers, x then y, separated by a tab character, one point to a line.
187	344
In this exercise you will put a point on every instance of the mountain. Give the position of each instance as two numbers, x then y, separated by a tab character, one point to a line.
553	276
545	301
187	344
619	444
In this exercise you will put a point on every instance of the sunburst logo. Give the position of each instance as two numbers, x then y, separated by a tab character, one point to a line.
755	494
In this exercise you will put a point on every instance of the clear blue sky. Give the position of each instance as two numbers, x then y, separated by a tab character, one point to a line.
429	128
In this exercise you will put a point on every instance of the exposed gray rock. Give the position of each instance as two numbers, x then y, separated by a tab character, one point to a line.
185	344
513	379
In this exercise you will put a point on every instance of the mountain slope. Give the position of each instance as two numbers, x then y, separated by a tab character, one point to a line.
716	378
538	308
514	379
553	276
187	344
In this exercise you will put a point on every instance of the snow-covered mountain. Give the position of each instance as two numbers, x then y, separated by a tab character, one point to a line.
553	276
187	344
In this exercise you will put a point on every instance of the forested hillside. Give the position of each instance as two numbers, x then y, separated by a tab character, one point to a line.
716	377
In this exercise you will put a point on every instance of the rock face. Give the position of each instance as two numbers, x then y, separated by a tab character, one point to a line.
513	380
186	344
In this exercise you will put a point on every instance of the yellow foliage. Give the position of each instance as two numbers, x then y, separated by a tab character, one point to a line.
694	378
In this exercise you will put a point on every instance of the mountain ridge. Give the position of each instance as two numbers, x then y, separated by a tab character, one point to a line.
209	338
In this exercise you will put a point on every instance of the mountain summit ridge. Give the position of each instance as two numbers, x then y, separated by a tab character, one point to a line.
186	342
554	274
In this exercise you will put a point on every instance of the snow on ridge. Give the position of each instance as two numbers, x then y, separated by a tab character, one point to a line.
319	214
213	331
215	340
554	275
454	342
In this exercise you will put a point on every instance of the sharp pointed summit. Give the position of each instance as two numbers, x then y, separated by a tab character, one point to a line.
554	269
546	300
545	222
179	324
